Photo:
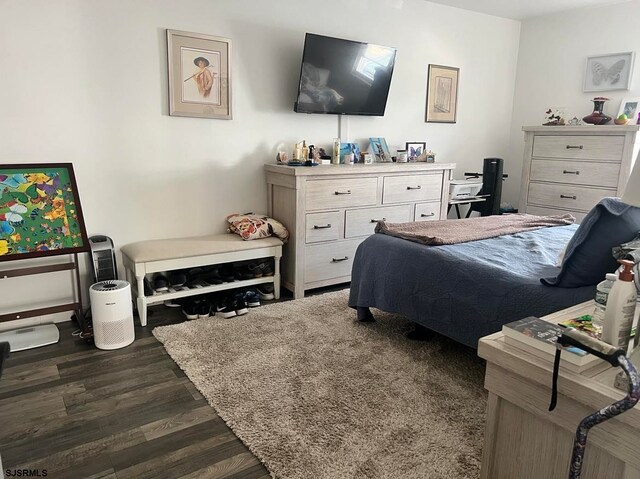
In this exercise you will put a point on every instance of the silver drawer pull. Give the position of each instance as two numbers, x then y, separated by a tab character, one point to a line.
569	197
574	147
337	260
414	187
375	221
427	216
348	192
567	172
321	227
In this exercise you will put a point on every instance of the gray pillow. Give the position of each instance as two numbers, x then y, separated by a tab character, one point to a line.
589	252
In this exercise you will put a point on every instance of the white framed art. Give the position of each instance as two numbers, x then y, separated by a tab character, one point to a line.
608	72
199	75
630	107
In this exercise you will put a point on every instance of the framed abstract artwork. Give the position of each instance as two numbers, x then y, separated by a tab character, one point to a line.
608	72
199	75
442	94
40	212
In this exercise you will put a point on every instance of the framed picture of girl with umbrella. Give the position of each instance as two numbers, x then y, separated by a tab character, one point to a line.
199	75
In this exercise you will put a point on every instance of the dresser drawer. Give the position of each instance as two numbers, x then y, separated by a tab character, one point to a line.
324	226
543	211
607	148
331	260
363	222
327	194
427	212
576	172
570	197
411	188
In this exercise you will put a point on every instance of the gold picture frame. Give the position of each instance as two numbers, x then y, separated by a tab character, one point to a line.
199	75
442	94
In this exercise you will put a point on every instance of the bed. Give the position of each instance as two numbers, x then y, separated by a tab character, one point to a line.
468	290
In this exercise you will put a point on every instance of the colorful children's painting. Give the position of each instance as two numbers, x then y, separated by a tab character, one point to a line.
40	213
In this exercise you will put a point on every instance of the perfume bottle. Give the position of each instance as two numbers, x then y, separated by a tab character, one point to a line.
305	151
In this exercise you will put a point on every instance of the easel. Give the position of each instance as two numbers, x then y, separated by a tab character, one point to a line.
75	305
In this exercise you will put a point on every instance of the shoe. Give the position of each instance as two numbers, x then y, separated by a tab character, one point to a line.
267	269
265	292
227	273
203	308
226	308
240	305
172	303
243	273
255	269
213	277
148	290
160	283
189	309
177	278
252	298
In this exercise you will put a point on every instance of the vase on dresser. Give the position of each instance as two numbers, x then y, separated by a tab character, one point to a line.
598	117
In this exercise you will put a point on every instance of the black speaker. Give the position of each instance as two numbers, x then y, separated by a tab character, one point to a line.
492	186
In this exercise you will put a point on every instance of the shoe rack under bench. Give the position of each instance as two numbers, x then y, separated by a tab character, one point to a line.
155	256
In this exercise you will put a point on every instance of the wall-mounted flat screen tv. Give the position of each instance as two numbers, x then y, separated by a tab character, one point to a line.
344	77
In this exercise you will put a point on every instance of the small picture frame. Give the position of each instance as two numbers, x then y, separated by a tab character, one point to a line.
199	75
442	94
348	148
415	148
631	108
608	72
367	158
380	150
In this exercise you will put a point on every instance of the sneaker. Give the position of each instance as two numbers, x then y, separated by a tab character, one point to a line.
190	310
265	292
240	305
203	308
172	303
227	273
242	272
213	277
160	283
226	308
267	269
255	269
252	298
177	278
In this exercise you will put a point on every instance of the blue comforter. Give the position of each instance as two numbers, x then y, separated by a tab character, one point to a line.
468	290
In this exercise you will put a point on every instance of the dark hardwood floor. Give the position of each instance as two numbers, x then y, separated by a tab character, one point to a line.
79	412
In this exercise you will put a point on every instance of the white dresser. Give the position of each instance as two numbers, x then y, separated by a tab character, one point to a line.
568	169
329	210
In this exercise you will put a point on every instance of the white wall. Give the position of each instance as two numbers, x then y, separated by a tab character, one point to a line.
85	81
551	62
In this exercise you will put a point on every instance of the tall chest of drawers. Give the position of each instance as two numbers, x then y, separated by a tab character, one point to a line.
568	169
329	210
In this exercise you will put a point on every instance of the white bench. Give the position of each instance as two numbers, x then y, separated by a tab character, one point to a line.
154	256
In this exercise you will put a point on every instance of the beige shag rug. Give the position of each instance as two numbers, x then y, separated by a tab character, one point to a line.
315	394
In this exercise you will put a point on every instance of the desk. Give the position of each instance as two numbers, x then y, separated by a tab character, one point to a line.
466	201
524	440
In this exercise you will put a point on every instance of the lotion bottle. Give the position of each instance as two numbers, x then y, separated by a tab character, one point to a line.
621	308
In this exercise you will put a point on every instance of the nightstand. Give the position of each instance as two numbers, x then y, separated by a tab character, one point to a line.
524	440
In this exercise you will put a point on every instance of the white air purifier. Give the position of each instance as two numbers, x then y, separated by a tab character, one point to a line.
112	314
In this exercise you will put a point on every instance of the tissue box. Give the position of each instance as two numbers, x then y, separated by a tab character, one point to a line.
462	189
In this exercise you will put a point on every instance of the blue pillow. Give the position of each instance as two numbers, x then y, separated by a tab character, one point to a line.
588	257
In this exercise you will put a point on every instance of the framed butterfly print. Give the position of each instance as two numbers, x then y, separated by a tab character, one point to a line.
608	72
415	148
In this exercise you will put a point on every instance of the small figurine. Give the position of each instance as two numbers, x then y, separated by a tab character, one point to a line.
282	158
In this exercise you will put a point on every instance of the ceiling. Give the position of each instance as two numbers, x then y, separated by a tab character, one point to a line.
521	9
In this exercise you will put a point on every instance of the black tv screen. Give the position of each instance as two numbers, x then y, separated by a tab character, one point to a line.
344	77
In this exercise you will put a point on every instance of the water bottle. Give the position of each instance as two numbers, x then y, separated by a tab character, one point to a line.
602	294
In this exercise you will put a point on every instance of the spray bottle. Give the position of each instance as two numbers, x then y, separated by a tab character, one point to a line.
621	308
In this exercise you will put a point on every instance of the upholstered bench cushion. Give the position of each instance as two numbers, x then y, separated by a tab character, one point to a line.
166	249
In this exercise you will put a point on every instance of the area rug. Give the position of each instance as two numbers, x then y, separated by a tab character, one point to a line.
314	394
